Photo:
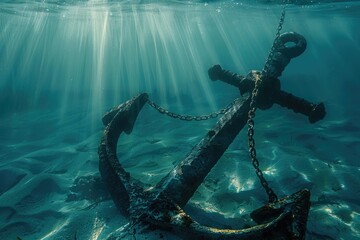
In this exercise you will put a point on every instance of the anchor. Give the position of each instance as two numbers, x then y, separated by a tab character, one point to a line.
161	206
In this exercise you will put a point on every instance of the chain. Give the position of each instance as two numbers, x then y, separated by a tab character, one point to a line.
272	49
190	117
251	115
251	142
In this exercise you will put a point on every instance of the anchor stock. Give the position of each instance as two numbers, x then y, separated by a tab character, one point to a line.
271	88
314	111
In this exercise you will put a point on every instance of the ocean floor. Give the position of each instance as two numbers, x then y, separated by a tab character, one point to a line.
51	187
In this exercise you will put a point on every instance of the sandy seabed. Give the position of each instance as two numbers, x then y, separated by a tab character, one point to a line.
51	188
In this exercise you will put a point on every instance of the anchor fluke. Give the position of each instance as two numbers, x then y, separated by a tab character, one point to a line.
297	206
119	182
129	111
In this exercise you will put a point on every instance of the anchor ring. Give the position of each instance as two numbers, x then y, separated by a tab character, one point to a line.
294	50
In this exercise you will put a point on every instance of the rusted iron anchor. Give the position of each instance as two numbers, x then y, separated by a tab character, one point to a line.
161	206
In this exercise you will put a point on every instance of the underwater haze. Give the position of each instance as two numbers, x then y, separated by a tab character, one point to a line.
63	64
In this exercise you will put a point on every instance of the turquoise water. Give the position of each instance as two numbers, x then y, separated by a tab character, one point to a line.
63	64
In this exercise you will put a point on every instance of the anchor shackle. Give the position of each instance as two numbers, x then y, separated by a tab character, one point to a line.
291	51
289	45
272	93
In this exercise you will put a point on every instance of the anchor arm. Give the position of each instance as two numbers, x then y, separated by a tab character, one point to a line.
283	219
314	111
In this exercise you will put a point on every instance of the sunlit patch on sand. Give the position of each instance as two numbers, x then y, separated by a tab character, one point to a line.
237	185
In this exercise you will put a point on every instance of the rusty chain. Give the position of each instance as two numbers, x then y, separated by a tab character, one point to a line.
190	117
251	114
251	142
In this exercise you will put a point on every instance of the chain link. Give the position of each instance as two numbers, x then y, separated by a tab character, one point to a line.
190	117
251	114
272	49
251	142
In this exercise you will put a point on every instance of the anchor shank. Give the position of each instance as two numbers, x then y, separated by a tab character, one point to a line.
181	183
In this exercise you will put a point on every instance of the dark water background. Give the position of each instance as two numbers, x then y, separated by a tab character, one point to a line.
64	63
58	52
